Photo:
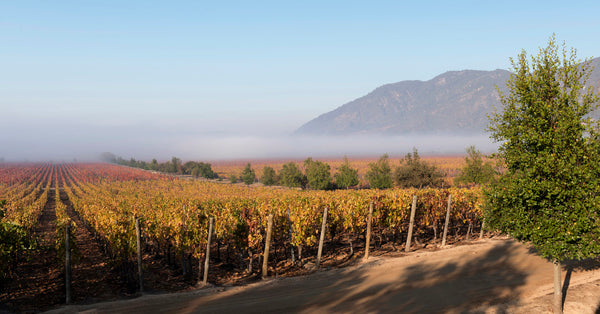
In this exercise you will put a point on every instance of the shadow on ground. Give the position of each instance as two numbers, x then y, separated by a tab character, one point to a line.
455	286
487	278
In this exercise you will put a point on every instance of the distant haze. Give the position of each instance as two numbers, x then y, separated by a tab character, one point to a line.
66	142
205	80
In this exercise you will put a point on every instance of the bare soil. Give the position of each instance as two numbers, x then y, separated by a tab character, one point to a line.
489	276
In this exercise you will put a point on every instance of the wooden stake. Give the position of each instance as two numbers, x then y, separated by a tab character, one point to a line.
322	238
410	226
368	239
481	231
68	263
139	253
211	221
447	220
291	236
267	246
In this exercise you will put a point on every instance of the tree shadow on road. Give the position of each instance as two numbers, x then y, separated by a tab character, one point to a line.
488	279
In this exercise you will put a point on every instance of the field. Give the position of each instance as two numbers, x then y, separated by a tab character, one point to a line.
101	204
102	201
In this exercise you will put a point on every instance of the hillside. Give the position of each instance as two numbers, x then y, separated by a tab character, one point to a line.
455	102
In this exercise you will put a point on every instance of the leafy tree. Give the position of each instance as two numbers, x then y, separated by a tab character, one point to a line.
176	166
416	173
154	164
291	176
269	176
248	175
549	194
233	178
476	171
379	174
346	176
318	176
199	169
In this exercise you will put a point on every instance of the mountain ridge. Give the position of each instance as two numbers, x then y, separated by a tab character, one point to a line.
454	102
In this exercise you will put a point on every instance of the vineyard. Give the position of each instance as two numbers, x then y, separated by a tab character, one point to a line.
100	205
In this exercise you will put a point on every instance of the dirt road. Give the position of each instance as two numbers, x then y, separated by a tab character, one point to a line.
496	275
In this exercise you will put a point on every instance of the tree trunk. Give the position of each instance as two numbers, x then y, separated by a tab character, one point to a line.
558	309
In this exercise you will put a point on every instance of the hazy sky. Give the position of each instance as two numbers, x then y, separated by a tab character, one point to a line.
163	78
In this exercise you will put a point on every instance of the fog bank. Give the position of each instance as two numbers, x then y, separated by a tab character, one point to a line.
86	144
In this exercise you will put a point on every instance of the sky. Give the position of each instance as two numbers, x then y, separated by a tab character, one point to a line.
233	79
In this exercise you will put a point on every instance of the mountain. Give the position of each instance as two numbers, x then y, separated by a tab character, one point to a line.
456	102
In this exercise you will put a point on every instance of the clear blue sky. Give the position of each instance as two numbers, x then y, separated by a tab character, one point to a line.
86	72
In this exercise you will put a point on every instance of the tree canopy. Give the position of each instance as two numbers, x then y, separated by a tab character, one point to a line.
346	176
549	146
248	175
476	171
318	176
549	194
269	177
417	173
379	174
291	176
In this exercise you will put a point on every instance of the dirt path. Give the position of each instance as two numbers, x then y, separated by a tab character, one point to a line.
41	279
93	277
490	276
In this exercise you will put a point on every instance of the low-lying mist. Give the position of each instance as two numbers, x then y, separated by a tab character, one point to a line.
87	147
253	147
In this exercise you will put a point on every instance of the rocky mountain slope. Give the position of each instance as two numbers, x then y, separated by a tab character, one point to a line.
455	102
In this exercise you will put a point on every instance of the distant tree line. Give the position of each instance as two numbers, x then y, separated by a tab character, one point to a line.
175	166
411	172
316	175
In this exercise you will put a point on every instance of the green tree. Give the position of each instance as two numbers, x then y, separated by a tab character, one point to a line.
199	169
154	164
379	174
548	196
318	174
175	166
269	176
346	176
248	175
417	173
476	171
291	176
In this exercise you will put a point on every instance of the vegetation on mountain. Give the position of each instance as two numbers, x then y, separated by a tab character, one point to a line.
455	102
